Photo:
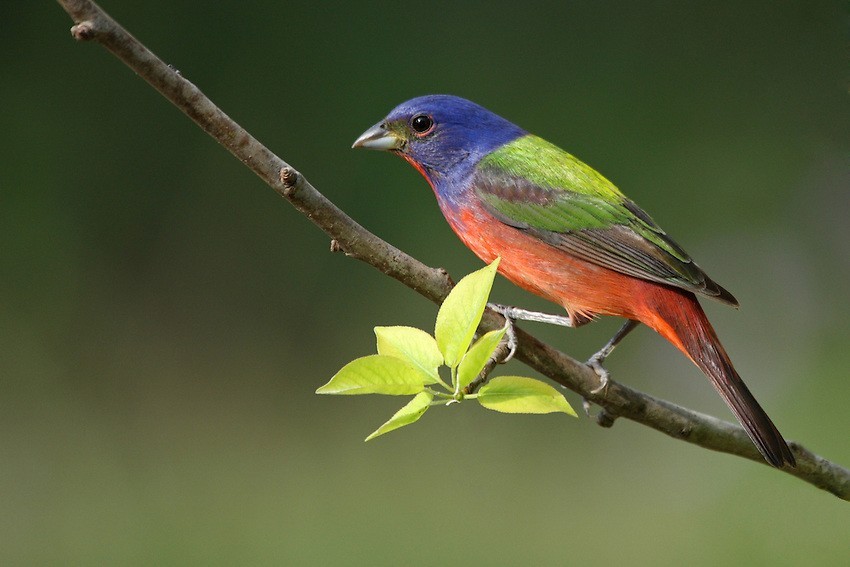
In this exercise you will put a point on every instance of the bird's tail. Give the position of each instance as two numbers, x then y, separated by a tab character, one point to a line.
678	317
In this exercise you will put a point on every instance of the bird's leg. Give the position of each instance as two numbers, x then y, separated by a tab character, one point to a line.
512	314
597	359
518	314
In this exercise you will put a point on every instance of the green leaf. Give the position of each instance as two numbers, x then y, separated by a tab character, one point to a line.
413	345
474	360
517	394
461	312
375	374
406	415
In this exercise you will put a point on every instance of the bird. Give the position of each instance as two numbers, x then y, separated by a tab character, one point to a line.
564	232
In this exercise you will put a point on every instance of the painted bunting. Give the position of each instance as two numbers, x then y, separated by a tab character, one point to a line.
567	234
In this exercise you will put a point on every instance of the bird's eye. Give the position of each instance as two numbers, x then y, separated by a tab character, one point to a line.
421	123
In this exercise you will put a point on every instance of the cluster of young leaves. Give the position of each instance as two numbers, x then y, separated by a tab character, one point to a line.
409	359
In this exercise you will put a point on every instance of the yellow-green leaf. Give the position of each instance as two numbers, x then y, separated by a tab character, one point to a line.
518	394
477	356
413	345
461	312
411	412
375	374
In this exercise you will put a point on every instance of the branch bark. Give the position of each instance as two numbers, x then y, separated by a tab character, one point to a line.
91	23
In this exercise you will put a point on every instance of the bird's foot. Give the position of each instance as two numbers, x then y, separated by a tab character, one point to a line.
512	340
513	314
510	332
595	362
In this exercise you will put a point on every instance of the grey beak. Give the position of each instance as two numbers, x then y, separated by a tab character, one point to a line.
378	138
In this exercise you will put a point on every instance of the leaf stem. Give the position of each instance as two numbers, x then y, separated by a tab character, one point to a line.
442	383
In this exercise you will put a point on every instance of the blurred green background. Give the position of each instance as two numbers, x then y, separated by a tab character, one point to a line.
165	318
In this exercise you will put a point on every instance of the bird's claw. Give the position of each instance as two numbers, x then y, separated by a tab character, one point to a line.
510	329
510	332
595	362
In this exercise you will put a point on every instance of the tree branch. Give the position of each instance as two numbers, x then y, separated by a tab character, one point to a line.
617	400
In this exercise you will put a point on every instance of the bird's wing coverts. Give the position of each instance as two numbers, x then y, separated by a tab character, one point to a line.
542	190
